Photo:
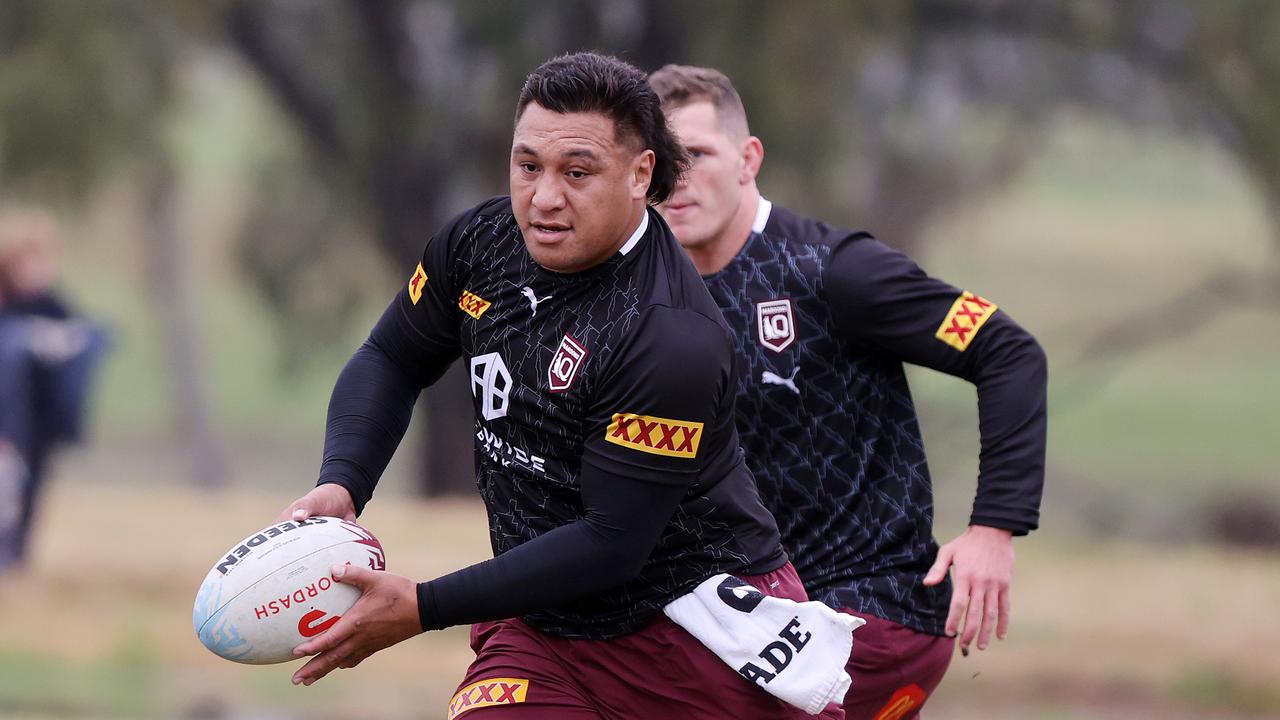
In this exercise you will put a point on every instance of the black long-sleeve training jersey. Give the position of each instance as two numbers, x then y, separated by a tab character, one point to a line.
823	320
605	445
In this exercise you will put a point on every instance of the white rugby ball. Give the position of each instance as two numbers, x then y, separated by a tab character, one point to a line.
273	590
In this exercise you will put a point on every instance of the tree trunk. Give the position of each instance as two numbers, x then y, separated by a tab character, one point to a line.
172	289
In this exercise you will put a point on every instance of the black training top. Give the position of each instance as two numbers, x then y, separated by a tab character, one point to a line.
823	320
605	445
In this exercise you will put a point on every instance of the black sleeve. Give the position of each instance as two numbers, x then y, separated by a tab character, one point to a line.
622	521
881	298
371	406
410	347
659	400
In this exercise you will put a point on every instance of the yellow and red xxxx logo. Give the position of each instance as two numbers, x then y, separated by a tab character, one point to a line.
473	304
903	701
416	283
487	693
967	316
660	436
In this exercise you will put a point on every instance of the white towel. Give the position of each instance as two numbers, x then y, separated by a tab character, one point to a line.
794	651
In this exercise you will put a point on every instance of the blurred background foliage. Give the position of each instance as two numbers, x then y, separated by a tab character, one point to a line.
245	183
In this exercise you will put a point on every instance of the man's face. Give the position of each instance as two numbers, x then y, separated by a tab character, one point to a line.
575	189
708	196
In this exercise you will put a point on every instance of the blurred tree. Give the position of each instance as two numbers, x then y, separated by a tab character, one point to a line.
406	109
84	89
879	115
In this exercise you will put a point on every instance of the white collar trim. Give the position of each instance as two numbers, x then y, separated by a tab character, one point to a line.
635	236
762	216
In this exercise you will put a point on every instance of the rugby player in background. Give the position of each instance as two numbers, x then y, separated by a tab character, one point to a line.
823	320
606	453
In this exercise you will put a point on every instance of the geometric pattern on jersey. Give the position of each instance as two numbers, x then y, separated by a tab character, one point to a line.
831	435
529	450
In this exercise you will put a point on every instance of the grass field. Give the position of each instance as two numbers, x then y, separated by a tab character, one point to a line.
99	625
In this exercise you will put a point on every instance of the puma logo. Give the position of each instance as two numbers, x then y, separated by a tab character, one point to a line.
534	302
769	378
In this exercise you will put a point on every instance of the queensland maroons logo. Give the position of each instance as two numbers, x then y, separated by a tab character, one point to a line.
775	324
565	364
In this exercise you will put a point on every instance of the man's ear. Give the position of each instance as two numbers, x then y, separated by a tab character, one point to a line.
642	174
752	159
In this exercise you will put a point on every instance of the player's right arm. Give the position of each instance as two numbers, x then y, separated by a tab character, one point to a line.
409	348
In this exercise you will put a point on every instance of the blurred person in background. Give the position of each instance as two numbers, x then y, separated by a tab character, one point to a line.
47	357
823	320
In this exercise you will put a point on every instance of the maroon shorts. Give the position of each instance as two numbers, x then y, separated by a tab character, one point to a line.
894	669
658	672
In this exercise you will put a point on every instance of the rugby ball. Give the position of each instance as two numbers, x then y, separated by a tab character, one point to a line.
273	590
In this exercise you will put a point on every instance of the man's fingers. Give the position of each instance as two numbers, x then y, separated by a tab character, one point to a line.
1006	610
990	616
300	514
329	639
362	578
959	604
940	566
319	666
353	660
972	617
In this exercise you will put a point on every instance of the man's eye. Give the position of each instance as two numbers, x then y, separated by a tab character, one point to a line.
695	154
576	174
528	167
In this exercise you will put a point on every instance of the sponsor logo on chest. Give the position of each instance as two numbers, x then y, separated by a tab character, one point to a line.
491	385
775	324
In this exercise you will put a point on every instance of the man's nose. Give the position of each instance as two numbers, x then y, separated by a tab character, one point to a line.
547	193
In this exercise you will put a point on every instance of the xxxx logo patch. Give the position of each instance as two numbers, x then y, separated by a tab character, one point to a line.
473	304
416	283
967	316
905	700
660	436
487	693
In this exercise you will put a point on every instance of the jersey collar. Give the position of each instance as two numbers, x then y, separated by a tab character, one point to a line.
762	215
631	243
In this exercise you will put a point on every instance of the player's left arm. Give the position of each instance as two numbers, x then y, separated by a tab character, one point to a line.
645	448
880	297
622	521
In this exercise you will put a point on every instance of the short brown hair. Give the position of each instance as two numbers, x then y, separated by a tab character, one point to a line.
681	85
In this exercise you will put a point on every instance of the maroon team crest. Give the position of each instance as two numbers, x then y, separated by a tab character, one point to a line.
565	364
775	324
